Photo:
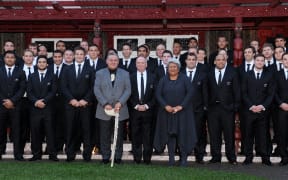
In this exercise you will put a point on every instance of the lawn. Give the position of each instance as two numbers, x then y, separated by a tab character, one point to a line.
95	170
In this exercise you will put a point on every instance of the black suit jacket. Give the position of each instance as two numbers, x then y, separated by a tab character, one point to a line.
149	97
159	72
258	92
200	95
78	88
12	88
45	89
227	93
100	64
58	79
152	64
281	93
242	70
131	68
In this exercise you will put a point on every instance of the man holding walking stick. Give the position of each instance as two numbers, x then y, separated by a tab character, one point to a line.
112	89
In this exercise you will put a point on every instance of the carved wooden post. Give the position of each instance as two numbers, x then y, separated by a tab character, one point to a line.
97	34
237	60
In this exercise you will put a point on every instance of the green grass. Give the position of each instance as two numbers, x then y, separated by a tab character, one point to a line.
95	170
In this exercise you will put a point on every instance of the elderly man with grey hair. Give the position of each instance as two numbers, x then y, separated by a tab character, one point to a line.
175	121
112	89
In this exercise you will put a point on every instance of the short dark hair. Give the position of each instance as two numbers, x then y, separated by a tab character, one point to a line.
41	45
284	55
142	46
168	52
57	51
79	48
192	54
192	38
9	52
127	44
61	41
201	49
259	55
280	48
251	47
93	45
41	57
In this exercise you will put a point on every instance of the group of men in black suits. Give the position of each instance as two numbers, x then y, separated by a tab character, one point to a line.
220	91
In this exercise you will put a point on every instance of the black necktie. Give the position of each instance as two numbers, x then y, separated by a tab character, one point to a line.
248	67
42	77
280	66
159	62
79	70
126	64
286	75
57	71
219	78
93	65
165	69
258	76
142	88
190	75
269	63
9	73
29	71
176	57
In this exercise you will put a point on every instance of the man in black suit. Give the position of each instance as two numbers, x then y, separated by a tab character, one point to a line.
281	98
143	50
276	67
224	99
77	87
246	66
28	68
142	100
222	43
176	49
258	89
12	88
41	89
127	63
198	79
96	63
162	69
10	46
58	102
280	41
192	43
268	51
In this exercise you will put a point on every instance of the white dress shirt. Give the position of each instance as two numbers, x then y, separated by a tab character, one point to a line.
11	70
59	69
217	73
250	67
26	70
255	72
188	72
42	72
77	66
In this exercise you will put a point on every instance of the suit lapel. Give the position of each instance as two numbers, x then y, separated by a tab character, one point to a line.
195	75
107	78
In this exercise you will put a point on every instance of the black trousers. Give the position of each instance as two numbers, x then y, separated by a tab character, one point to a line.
95	129
200	123
256	127
14	116
42	119
283	133
141	127
106	132
25	105
221	120
58	116
78	119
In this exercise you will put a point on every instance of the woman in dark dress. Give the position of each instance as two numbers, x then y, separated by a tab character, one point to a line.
175	121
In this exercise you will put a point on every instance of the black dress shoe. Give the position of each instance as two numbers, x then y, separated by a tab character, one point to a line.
53	158
105	161
283	163
247	161
19	158
118	161
213	161
199	161
147	162
137	161
87	159
0	157
35	158
70	159
267	162
233	162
